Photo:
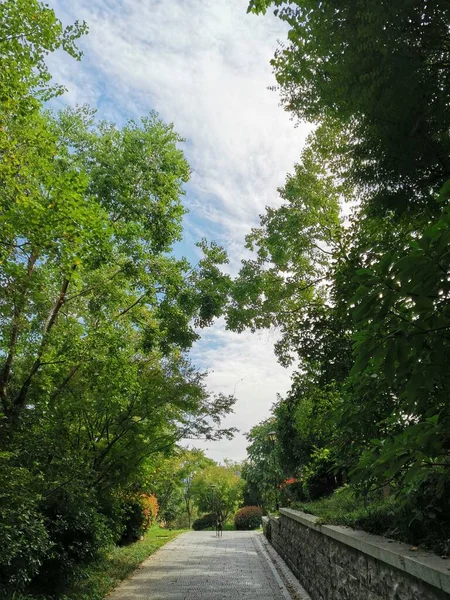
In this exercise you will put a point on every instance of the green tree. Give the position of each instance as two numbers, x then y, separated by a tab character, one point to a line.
373	77
384	82
86	260
263	470
96	317
224	498
295	248
400	352
31	30
170	478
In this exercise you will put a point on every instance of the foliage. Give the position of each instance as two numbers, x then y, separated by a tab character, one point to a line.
248	517
304	426
117	564
403	344
22	527
366	312
225	496
292	490
171	478
384	82
140	512
262	471
78	532
31	30
391	516
150	509
369	397
96	313
292	257
207	521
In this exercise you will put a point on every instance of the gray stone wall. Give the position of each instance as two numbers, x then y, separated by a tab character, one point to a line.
337	563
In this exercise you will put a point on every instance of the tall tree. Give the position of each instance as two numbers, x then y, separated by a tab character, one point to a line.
373	77
96	314
380	69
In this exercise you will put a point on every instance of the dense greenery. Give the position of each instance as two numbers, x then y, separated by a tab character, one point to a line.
387	516
354	267
171	478
218	489
96	315
207	521
116	565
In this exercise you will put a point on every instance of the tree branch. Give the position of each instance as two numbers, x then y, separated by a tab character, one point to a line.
51	319
124	312
18	310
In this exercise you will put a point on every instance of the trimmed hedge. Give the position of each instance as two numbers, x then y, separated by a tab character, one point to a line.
249	517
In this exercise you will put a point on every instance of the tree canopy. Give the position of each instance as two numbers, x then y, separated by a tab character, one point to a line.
353	268
96	313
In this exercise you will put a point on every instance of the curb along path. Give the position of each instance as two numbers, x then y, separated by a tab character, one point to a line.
200	566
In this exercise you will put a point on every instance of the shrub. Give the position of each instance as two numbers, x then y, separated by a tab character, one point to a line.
150	508
292	491
421	517
78	533
25	541
133	520
140	512
204	522
249	517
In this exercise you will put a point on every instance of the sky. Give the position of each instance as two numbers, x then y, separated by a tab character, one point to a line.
203	65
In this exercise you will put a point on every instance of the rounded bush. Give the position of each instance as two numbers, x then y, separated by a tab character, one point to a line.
249	517
25	544
204	522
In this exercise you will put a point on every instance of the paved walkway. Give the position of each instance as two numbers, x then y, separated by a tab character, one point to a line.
200	566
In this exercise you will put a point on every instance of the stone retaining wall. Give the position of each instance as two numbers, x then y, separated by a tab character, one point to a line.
339	563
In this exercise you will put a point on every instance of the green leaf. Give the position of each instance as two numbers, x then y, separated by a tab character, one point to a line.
389	364
444	192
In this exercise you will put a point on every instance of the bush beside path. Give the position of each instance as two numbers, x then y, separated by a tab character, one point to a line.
118	564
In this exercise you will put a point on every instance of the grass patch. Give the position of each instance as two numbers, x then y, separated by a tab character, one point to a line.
118	564
344	508
382	516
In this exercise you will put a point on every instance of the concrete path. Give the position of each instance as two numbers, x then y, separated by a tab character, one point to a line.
200	566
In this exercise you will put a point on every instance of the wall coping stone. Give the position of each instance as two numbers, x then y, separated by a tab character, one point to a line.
418	563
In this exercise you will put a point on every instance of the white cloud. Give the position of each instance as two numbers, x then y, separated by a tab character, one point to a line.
243	365
203	65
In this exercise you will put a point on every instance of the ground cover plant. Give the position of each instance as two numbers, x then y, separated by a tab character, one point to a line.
389	516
